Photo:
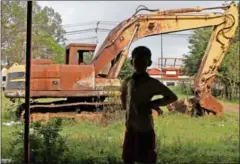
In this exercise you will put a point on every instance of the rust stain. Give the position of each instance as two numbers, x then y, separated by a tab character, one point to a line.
211	103
45	71
71	75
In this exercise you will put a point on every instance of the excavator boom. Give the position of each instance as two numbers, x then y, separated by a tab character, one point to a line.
154	23
224	25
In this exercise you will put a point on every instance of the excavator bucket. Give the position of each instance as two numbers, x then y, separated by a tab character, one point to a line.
207	105
211	104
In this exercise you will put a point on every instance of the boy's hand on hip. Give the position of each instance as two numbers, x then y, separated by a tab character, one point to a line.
160	112
156	108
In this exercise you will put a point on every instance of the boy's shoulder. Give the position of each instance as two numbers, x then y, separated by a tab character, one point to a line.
126	79
153	80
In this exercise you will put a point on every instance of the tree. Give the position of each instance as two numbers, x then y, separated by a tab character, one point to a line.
87	57
198	43
126	70
47	32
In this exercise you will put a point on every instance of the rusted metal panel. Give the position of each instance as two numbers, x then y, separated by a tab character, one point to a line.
77	77
73	56
44	88
46	84
56	94
38	61
41	61
62	77
87	47
45	71
74	104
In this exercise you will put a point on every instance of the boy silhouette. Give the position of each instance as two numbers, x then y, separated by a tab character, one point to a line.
136	94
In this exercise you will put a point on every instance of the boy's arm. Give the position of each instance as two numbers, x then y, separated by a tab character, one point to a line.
157	109
168	96
123	95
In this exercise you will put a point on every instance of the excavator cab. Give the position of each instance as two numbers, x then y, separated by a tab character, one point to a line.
75	53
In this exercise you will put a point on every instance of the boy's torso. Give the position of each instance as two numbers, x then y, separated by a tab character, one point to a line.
139	94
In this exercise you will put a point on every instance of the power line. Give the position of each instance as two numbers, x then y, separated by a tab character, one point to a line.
87	38
79	24
87	30
91	23
79	31
108	30
76	32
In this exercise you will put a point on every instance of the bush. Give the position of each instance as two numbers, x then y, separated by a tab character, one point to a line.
9	111
46	144
9	108
185	89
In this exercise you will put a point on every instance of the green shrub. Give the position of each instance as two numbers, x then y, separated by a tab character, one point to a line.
47	146
185	89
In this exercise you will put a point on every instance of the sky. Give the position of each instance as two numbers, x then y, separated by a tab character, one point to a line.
75	13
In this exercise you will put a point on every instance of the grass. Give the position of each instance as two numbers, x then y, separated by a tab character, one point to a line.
235	102
180	139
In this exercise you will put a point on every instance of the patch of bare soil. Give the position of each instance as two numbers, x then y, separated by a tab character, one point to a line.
231	107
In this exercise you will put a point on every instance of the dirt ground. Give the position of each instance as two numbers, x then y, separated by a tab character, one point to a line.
231	107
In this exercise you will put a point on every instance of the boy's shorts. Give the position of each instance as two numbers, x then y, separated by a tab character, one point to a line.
139	147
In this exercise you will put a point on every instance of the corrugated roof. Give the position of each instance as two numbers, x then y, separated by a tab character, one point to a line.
154	71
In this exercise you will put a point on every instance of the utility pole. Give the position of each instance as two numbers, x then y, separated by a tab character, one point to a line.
161	53
27	83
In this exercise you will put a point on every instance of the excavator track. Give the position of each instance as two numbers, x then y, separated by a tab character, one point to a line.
65	109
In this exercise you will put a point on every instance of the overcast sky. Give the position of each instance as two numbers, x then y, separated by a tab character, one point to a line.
77	12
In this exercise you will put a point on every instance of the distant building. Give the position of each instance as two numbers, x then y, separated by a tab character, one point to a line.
170	74
155	73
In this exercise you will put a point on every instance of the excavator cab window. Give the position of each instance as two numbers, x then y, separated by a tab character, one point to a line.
84	56
87	56
67	56
79	54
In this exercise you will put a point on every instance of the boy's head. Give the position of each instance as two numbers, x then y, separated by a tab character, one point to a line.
141	58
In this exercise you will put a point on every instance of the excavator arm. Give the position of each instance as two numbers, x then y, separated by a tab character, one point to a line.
218	46
113	54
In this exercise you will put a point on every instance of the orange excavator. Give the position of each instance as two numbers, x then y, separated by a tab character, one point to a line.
86	85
